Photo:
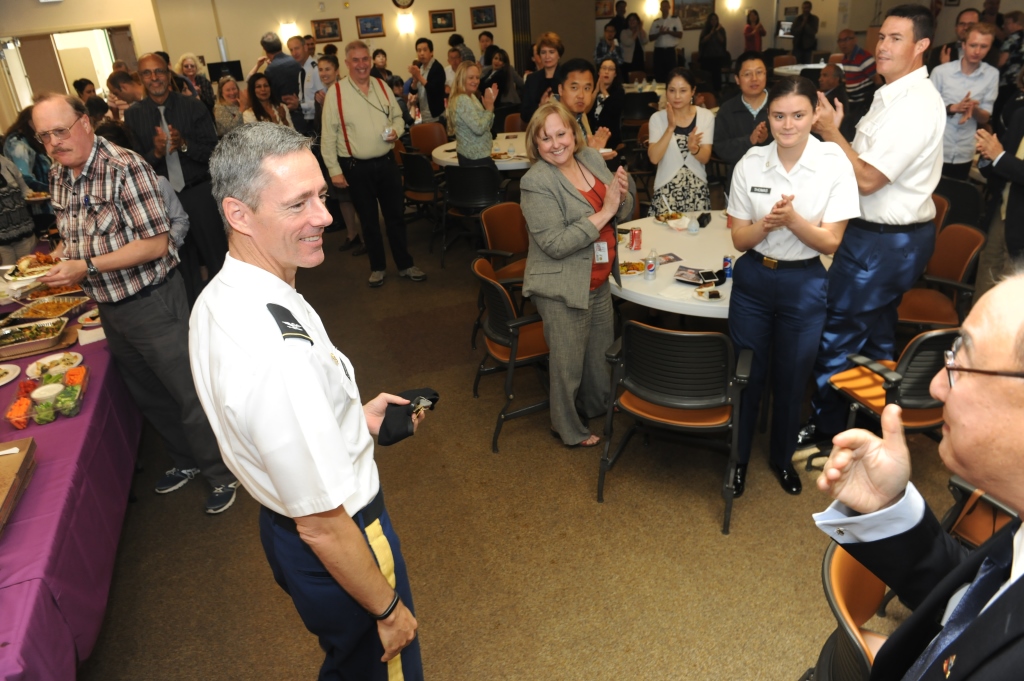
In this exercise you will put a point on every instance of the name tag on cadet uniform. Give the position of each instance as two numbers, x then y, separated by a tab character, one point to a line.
761	190
600	252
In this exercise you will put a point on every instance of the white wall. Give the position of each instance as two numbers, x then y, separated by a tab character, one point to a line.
31	17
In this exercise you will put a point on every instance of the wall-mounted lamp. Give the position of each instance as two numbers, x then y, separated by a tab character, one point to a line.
288	30
652	8
732	5
406	24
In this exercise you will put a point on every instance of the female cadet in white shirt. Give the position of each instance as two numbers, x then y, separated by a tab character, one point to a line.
681	136
790	203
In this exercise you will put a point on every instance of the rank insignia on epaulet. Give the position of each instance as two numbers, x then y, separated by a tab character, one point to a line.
290	327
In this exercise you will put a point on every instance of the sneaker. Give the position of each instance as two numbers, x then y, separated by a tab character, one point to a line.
414	273
376	278
221	498
175	479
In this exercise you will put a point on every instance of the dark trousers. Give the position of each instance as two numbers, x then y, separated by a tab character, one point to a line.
665	60
378	181
957	171
148	339
206	242
486	162
779	314
347	633
713	65
869	275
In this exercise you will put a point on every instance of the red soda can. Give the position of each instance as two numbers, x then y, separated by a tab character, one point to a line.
635	239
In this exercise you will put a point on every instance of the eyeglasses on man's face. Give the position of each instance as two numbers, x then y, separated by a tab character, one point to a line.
57	133
149	73
953	371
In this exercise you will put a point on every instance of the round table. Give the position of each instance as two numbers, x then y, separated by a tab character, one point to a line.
703	251
795	69
444	155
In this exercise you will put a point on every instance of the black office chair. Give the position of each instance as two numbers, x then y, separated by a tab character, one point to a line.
965	202
682	382
637	109
468	191
422	190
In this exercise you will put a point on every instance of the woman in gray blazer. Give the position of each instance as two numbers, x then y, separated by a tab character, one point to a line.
571	202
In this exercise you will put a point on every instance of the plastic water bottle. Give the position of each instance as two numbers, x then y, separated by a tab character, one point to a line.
651	265
497	148
511	149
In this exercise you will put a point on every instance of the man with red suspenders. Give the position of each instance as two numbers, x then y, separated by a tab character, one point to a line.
361	122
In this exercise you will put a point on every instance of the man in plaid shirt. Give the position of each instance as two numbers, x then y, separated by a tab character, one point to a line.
114	230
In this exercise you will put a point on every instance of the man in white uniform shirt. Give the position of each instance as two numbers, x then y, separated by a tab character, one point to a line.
284	405
968	87
897	157
955	631
309	85
666	32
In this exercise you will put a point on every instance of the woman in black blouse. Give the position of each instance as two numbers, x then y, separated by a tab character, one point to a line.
543	83
607	109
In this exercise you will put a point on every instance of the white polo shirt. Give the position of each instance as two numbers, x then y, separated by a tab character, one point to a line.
285	410
822	183
901	136
672	23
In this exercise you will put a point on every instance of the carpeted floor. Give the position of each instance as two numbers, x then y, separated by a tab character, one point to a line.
517	571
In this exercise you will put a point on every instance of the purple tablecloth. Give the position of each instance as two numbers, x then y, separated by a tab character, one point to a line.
57	551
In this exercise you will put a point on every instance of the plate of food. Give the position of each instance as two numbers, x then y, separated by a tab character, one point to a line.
31	267
37	196
91	318
709	293
48	291
500	156
9	372
663	218
54	364
631	269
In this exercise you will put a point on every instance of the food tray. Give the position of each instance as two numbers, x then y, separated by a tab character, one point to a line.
36	345
44	291
69	305
67	404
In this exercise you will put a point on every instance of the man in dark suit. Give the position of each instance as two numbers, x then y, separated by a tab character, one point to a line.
832	83
882	520
428	82
1003	167
284	73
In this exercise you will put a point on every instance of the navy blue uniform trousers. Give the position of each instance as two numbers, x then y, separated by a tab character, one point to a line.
347	633
869	275
779	315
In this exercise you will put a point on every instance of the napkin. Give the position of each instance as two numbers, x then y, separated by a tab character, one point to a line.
86	336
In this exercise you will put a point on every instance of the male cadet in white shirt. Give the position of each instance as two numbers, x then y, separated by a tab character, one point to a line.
897	157
968	87
309	85
283	403
666	32
955	632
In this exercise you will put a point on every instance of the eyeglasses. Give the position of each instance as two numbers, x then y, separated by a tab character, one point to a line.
952	369
58	133
847	39
149	73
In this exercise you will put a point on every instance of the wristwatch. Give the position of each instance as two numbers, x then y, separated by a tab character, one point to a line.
92	268
184	147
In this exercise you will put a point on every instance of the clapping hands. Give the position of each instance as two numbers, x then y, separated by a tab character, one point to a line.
693	141
781	215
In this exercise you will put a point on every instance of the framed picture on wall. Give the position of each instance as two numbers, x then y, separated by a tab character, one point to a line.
370	25
604	9
695	12
326	30
483	17
442	20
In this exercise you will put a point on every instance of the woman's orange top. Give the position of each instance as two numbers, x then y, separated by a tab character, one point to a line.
600	270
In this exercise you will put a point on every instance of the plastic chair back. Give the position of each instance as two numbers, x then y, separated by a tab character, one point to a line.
977	515
514	123
965	202
505	228
923	357
498	302
636	106
677	369
784	60
941	209
710	101
398	150
418	173
956	249
835	58
428	136
472	188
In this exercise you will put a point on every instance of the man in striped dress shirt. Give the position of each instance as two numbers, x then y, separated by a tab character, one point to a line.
859	74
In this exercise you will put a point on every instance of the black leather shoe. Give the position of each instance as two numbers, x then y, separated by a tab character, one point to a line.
810	436
739	480
351	243
788	478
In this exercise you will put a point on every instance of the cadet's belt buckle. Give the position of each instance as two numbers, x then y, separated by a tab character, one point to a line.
770	263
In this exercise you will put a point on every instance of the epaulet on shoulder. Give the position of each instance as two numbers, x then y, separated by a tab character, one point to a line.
290	327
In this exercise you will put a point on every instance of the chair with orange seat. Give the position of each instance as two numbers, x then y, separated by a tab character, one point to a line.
505	238
426	137
514	123
948	273
835	58
853	593
512	341
941	210
870	385
686	383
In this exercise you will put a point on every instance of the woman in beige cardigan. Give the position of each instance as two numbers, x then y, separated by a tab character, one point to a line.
571	202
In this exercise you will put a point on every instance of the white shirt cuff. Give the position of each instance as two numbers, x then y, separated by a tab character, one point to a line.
998	157
846	526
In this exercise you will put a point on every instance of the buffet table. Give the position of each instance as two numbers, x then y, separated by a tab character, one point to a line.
58	549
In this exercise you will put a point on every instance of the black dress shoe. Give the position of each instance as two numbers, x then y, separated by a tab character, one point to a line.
351	243
788	478
739	480
810	436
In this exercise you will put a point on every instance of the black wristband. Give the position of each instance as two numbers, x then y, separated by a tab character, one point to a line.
387	613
